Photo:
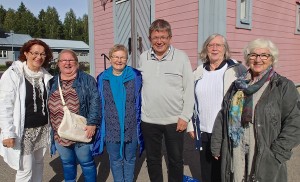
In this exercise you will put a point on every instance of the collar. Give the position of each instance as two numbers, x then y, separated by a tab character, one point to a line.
207	67
168	56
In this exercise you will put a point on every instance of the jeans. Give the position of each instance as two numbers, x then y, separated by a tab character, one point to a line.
31	167
153	135
122	168
69	156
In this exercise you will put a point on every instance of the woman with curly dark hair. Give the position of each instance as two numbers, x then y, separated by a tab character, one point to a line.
23	111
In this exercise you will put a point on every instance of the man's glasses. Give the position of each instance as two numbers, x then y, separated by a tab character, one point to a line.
263	56
163	38
36	54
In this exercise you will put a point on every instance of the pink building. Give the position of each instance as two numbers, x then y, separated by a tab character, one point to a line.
192	21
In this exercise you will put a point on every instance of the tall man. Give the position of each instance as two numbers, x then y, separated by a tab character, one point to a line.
167	101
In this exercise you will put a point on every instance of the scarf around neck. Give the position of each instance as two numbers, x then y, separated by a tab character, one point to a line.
241	107
119	95
36	79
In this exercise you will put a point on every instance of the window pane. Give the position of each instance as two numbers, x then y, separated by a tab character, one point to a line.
243	10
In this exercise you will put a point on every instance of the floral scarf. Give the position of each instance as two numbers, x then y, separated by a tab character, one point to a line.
241	107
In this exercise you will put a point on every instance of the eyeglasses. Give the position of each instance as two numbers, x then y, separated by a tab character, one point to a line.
263	56
36	54
118	58
163	38
218	46
67	60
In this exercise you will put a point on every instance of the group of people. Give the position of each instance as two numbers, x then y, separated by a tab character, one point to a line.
245	121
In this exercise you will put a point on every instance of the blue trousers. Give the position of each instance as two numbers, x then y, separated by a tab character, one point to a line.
122	168
69	156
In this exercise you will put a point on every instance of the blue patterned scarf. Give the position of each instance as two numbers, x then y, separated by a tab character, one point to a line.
241	107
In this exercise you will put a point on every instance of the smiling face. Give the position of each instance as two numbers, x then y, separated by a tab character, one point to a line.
35	57
68	66
259	64
216	50
160	42
118	61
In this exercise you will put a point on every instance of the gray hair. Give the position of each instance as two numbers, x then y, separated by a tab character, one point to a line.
262	44
203	54
160	25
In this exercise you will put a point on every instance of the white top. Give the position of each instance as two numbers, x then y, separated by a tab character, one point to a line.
209	92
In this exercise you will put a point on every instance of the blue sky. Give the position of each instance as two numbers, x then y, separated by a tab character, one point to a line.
80	7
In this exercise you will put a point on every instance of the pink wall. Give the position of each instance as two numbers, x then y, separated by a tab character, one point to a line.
274	20
271	19
104	33
183	17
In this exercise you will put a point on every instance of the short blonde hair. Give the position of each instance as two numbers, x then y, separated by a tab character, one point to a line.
74	55
118	47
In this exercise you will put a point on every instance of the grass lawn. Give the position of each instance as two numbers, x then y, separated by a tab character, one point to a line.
3	67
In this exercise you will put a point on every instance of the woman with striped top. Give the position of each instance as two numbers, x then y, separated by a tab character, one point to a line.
81	96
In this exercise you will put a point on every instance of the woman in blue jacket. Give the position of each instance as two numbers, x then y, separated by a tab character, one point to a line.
80	94
119	87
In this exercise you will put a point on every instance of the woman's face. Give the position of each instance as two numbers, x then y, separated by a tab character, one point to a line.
68	65
118	61
259	60
216	50
35	57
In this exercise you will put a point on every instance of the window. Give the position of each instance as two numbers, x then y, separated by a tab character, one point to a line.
3	54
297	18
244	13
120	1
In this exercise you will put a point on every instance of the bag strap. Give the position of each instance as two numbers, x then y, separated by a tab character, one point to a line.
60	93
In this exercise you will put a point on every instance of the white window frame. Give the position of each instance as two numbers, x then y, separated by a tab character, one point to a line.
3	54
297	31
244	14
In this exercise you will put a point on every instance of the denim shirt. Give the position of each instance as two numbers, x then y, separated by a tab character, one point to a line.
89	99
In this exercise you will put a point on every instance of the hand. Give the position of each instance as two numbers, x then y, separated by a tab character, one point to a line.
192	134
217	157
9	143
181	125
90	131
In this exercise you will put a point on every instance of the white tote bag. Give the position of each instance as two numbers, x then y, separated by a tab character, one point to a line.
72	125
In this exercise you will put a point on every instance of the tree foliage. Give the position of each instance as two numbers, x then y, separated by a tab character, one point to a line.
46	25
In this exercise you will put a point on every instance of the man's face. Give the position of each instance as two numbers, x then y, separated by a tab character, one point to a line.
160	42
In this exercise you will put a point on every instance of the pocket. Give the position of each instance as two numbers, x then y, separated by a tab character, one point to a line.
173	79
268	164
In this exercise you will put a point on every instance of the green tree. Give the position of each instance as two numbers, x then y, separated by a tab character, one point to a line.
70	25
9	20
53	25
85	28
41	25
25	21
2	15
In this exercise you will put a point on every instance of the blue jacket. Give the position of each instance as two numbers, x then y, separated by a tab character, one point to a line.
86	88
100	136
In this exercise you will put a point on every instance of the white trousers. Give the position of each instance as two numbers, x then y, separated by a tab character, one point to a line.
31	167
